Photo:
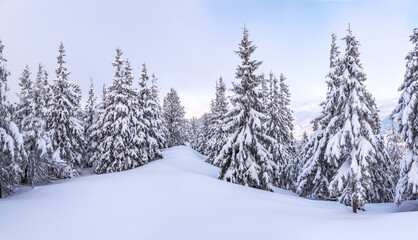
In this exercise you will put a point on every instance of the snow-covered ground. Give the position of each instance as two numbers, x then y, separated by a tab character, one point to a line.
179	197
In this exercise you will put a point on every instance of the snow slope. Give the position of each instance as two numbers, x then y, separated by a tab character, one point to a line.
179	197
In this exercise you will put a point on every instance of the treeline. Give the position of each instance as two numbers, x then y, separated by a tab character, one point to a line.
345	159
48	135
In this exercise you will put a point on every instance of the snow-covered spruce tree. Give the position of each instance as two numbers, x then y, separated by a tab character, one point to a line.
11	141
37	140
279	126
89	117
193	131
120	128
205	124
217	135
406	115
244	158
159	130
345	157
150	118
299	153
22	107
173	114
396	149
96	133
288	171
357	146
317	171
64	122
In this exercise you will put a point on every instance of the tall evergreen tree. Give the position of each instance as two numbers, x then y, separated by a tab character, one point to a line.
314	179
279	126
37	140
244	158
204	126
147	104
173	114
358	145
64	121
347	151
11	141
120	127
25	83
406	115
396	150
159	130
89	120
288	173
217	135
193	132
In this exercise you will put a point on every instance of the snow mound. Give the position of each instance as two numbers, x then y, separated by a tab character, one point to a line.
180	197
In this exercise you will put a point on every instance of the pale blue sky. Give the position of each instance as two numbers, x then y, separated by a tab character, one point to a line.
189	44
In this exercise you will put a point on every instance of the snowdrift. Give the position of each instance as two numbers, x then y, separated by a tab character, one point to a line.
179	197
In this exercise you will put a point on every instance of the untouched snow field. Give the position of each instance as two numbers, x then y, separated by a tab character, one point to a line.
179	197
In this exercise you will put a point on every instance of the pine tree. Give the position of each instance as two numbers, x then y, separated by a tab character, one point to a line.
89	120
317	171
173	114
64	122
194	130
121	143
287	152
37	140
147	104
345	157
159	130
22	109
244	158
11	141
96	134
396	150
357	146
217	135
406	116
205	124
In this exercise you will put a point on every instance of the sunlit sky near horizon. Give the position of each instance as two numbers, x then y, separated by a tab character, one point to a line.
189	44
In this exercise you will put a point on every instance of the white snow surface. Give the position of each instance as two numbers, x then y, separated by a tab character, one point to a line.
180	197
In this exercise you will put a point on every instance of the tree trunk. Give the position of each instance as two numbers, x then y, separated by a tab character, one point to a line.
354	206
1	195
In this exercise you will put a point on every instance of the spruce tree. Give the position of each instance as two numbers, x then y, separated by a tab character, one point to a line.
244	158
193	132
173	114
89	120
345	157
147	104
120	128
11	141
64	122
37	140
22	108
406	116
205	124
159	130
217	135
396	150
357	145
317	171
287	152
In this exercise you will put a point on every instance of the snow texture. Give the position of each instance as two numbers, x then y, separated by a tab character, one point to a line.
179	197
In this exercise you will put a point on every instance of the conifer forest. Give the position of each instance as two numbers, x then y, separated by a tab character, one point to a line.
80	159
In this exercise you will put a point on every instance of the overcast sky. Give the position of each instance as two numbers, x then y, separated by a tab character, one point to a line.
189	44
